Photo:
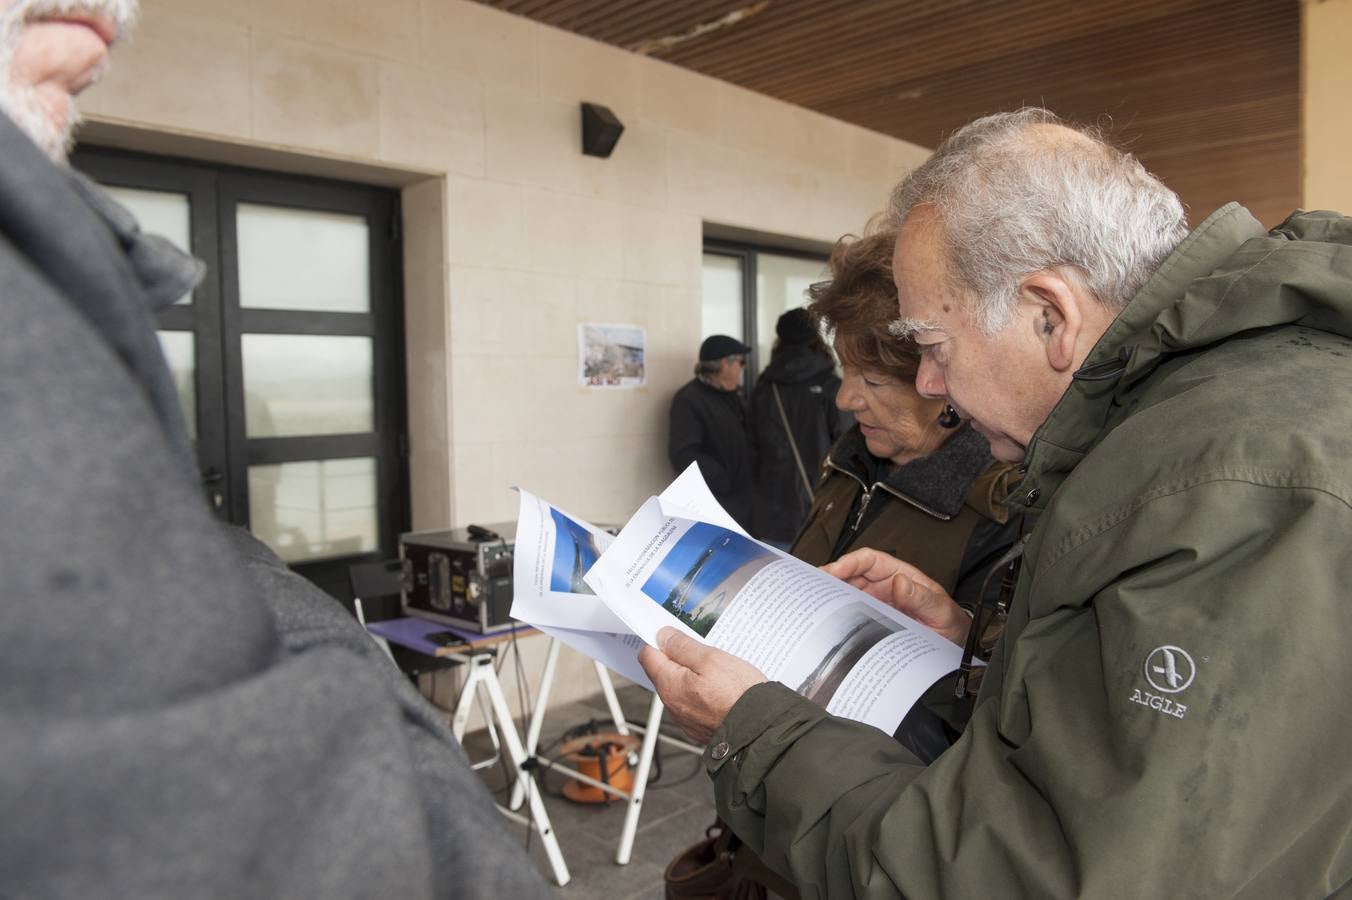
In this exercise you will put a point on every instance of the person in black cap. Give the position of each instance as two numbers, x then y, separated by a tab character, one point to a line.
709	426
794	421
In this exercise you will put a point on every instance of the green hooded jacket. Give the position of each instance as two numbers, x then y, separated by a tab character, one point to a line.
1162	716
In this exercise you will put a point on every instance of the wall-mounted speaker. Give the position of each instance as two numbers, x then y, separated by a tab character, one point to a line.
600	130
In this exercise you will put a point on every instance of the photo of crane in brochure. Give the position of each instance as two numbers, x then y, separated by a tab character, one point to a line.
705	570
575	552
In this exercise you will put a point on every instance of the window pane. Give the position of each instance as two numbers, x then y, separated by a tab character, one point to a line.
160	212
299	384
781	284
300	259
722	297
181	355
311	510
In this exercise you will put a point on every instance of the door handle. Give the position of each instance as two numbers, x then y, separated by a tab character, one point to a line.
211	480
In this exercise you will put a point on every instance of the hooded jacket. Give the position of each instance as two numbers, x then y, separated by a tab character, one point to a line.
807	383
1164	714
180	715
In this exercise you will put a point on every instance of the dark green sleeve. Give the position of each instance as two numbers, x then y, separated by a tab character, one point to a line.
1076	777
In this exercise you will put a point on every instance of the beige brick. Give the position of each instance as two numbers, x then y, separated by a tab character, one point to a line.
662	247
486	223
511	313
607	301
179	72
706	178
847	205
388	29
572	235
495	47
782	199
574	69
635	172
427	352
678	98
480	489
756	124
820	142
241	12
533	141
541	388
431	120
682	337
313	97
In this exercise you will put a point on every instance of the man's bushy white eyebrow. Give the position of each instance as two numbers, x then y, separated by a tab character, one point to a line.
905	328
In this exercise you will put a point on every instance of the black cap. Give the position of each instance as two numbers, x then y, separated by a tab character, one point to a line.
796	326
718	346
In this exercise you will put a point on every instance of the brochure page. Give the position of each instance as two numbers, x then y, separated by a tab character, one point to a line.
617	652
553	551
814	633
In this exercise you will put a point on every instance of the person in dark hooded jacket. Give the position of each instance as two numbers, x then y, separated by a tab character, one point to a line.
794	422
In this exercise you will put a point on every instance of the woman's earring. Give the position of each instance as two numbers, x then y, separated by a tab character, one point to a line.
949	418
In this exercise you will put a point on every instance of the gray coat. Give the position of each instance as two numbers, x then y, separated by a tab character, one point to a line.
179	714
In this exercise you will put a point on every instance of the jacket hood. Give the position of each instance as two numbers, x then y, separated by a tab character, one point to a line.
1227	277
797	364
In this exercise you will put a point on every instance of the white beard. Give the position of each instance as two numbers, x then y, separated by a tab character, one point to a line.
21	102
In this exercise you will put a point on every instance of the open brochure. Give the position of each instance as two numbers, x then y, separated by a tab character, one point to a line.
683	562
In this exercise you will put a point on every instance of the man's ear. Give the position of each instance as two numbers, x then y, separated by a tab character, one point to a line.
1058	314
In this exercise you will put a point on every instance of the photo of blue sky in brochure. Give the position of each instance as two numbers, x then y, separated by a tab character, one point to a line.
703	572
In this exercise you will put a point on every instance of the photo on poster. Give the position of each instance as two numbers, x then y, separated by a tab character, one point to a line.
852	632
611	356
575	552
703	572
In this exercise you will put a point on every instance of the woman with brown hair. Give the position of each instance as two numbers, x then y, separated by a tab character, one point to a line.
910	479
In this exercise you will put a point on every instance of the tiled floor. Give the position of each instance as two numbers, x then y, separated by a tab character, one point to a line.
678	807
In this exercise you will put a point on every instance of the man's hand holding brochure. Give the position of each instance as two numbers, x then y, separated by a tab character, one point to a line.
683	563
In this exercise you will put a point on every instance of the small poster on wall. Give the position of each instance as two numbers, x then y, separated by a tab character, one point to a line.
610	356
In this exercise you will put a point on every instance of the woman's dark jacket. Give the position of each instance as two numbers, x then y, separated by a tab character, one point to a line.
942	513
807	386
709	426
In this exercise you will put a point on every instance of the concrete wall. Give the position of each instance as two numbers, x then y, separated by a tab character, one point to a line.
512	236
1327	127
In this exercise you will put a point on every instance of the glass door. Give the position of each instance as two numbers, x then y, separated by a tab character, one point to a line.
289	357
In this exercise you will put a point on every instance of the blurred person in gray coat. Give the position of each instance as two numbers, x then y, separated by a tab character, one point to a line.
180	715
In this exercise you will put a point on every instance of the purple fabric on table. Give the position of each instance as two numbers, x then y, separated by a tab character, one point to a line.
412	632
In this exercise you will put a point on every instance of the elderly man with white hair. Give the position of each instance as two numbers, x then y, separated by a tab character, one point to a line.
180	716
1160	716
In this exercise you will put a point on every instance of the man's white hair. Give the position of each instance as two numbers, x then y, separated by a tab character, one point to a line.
1014	196
21	102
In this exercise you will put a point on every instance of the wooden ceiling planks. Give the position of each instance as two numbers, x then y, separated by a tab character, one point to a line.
1205	92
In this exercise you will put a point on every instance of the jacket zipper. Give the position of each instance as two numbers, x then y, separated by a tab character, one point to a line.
868	498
